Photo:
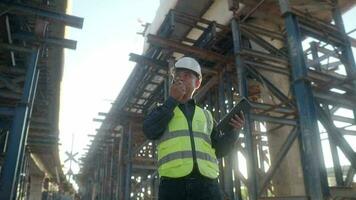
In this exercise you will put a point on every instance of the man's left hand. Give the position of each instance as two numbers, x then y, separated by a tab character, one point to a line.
237	121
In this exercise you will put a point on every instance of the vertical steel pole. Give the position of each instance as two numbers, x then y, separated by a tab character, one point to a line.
323	174
227	170
347	56
309	134
27	124
233	155
121	172
333	149
17	133
128	162
251	159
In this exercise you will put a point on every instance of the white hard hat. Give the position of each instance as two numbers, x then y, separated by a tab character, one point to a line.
189	63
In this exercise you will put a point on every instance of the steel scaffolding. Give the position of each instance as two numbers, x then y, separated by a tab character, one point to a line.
26	125
244	59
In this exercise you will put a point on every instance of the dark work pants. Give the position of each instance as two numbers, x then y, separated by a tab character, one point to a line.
189	189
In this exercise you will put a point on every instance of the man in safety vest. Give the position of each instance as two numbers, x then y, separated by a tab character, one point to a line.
188	144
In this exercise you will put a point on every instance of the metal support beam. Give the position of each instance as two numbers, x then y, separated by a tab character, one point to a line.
279	94
251	159
50	41
6	111
18	133
128	163
227	170
186	49
279	158
334	153
337	137
14	7
347	54
233	155
309	134
27	123
160	63
277	120
12	47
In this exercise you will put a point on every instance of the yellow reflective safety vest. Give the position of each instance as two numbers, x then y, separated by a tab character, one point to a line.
175	156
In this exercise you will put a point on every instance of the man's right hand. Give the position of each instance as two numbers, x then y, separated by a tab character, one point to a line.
177	90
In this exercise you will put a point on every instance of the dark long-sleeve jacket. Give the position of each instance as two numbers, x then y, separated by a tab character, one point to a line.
157	121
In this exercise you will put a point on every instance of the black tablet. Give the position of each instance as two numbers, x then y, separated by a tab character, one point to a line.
224	124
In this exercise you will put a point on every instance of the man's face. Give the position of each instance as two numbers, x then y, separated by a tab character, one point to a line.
188	78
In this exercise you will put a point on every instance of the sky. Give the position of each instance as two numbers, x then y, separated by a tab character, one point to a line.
96	71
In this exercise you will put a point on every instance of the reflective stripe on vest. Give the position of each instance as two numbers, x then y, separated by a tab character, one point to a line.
175	158
182	133
186	154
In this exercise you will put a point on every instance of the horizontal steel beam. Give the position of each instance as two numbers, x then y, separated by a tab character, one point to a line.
343	119
262	31
343	192
9	95
285	198
12	70
50	41
161	64
277	120
17	48
69	20
335	99
144	167
7	111
268	66
264	56
11	84
272	108
186	49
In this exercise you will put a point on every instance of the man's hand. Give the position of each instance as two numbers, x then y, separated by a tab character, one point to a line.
177	90
237	121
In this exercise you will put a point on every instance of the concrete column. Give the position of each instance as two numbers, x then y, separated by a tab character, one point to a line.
288	179
35	192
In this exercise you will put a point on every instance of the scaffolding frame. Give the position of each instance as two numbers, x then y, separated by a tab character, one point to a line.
235	60
24	90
